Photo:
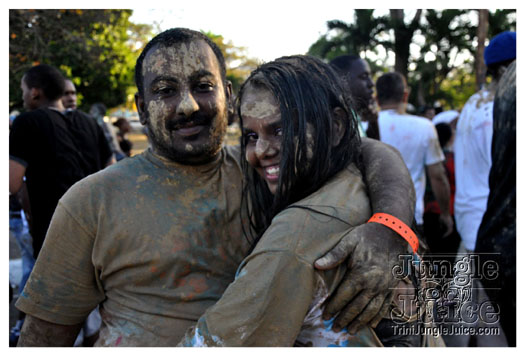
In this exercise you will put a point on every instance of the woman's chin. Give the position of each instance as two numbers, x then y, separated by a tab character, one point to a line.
272	187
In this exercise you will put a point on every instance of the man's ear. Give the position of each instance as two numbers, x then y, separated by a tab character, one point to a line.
338	130
139	102
406	93
36	94
229	97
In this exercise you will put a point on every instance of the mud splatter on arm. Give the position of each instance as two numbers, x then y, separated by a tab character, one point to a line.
38	332
364	295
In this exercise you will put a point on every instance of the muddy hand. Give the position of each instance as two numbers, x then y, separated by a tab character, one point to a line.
364	295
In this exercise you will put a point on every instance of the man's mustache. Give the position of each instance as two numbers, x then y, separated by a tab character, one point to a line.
195	119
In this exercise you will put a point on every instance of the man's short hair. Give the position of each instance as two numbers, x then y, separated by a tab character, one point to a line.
48	79
171	38
390	88
343	64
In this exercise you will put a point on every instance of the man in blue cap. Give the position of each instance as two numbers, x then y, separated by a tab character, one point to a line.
472	146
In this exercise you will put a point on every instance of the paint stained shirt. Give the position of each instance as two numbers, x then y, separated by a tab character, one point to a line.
416	139
277	294
153	242
472	158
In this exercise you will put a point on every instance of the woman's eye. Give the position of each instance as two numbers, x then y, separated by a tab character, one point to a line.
278	131
250	137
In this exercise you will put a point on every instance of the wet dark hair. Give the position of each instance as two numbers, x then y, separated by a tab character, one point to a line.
307	90
47	78
343	64
171	38
390	88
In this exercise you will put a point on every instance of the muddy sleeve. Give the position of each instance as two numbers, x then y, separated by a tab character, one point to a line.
62	287
264	306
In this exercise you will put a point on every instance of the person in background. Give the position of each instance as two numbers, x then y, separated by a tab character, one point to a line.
416	139
69	99
19	227
50	148
98	112
427	111
357	79
497	232
442	248
472	146
123	129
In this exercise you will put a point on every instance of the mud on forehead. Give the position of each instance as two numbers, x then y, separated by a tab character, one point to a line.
184	58
259	103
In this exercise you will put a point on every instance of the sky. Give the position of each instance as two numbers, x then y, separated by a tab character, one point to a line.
274	28
268	31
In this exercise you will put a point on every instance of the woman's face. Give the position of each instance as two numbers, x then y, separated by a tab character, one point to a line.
262	133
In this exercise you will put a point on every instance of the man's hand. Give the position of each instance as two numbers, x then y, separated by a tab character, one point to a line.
365	293
371	250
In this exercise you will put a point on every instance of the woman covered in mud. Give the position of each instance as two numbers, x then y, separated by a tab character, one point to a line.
303	181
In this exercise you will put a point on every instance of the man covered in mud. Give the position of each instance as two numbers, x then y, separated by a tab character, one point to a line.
156	239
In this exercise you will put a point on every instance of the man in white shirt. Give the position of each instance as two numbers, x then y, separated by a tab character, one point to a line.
416	139
472	147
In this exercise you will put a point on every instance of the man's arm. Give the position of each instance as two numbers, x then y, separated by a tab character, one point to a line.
364	295
16	176
441	189
38	332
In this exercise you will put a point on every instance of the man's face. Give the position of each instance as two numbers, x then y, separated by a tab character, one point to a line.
69	99
185	102
27	95
359	81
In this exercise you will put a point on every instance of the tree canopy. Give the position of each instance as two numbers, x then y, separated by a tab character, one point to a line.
238	64
97	49
435	50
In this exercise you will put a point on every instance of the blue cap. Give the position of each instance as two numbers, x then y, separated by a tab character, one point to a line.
501	48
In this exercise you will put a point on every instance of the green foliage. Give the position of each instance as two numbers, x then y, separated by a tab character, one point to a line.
443	71
343	38
446	34
238	64
95	48
501	20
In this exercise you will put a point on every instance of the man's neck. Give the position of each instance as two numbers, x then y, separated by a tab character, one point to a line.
56	105
399	107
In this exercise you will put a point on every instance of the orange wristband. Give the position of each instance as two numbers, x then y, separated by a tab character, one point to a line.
398	226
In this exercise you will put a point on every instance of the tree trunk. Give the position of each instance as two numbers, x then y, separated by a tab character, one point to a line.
403	38
479	63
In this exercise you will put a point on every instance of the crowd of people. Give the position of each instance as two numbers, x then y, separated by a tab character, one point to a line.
292	238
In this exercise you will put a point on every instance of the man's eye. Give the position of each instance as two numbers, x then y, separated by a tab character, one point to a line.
204	87
164	90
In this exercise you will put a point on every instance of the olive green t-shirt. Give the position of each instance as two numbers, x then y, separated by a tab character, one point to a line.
277	295
153	242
